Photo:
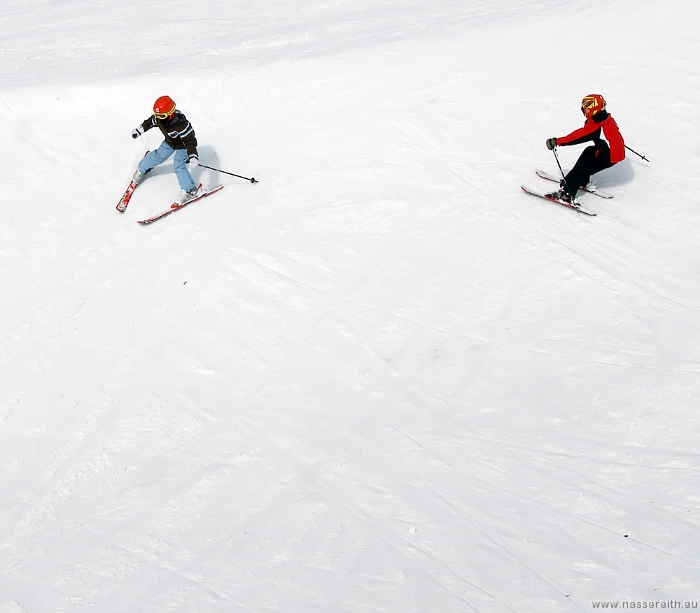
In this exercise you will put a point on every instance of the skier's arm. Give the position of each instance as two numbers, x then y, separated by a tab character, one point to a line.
143	127
589	131
149	123
190	141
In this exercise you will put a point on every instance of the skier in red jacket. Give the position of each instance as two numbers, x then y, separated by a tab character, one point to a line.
604	153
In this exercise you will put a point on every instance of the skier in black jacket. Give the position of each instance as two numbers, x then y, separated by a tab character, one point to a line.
179	139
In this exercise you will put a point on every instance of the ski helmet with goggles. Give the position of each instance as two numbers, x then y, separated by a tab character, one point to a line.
164	107
592	104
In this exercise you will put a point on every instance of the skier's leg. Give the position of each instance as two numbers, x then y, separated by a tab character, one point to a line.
184	177
580	174
592	160
155	158
602	161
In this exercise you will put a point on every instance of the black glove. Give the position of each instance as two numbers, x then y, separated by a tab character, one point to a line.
551	143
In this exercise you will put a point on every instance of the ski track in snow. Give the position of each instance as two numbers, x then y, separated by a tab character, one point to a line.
381	379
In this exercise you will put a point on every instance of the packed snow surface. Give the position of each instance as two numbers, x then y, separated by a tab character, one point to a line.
382	379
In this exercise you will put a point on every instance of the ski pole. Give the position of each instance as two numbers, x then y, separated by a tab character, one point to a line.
251	179
635	153
566	185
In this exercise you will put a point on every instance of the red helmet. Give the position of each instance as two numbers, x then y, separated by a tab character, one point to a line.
592	104
164	107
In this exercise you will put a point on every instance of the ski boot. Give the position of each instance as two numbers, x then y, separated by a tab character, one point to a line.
186	195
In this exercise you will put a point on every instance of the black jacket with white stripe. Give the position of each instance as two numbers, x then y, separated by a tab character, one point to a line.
178	132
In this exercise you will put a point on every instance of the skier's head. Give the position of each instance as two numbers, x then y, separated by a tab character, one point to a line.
592	104
164	107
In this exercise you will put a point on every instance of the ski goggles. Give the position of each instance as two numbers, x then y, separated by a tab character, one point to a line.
165	115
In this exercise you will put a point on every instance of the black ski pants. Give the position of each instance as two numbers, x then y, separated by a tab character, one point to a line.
593	159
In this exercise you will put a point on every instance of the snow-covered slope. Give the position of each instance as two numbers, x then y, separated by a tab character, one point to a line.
382	378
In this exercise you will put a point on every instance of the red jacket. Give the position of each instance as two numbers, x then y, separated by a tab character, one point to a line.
591	131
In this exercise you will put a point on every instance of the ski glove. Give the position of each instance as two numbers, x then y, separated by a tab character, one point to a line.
192	162
136	132
551	143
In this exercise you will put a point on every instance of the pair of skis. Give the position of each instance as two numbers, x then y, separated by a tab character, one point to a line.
175	206
548	177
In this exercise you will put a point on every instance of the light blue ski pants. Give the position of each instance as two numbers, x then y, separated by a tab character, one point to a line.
158	156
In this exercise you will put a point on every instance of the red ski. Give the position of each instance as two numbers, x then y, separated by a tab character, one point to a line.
124	202
527	190
176	206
